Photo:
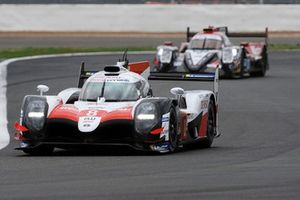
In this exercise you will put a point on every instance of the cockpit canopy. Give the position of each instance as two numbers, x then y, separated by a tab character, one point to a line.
206	41
122	87
216	40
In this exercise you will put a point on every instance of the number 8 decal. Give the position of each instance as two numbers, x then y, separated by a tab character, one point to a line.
92	113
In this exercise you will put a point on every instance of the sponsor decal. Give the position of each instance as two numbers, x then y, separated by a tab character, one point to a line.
23	144
89	122
102	78
204	104
199	76
163	147
165	125
67	108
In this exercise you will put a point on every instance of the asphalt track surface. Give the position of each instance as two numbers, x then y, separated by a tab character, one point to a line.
257	156
23	41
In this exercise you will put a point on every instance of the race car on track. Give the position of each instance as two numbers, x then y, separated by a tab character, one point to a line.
204	51
116	107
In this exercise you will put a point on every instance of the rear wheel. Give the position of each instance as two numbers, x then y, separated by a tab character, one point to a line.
42	150
211	130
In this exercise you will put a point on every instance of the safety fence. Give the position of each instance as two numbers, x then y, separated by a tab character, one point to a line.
149	1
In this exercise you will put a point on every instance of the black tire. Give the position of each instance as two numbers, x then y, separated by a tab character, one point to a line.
173	135
42	150
211	131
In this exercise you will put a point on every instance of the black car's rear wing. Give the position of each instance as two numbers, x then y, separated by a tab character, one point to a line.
177	76
263	34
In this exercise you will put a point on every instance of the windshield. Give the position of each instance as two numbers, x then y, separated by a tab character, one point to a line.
111	91
205	43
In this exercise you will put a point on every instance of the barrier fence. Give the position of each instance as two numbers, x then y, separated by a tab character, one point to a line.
149	1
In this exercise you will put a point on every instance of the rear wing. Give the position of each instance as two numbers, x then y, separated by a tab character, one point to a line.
207	77
142	68
224	29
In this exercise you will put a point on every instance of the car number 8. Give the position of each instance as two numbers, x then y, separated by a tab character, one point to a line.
92	113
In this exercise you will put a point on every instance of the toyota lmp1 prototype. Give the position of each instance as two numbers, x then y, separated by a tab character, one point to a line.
204	51
116	107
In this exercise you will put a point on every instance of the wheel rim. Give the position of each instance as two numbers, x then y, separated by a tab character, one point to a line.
210	125
172	132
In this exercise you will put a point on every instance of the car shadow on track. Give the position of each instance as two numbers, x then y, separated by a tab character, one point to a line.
120	151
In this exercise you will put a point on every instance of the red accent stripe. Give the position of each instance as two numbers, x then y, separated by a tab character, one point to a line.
72	113
203	125
157	131
19	127
184	125
65	112
138	67
20	137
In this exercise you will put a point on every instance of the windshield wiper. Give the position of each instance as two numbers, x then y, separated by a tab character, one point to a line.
102	89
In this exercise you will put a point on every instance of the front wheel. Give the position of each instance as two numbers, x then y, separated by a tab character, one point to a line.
173	136
211	127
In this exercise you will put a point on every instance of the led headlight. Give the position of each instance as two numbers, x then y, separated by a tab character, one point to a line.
35	115
146	117
229	55
160	51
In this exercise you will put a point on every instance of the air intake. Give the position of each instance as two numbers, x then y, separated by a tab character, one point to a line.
112	69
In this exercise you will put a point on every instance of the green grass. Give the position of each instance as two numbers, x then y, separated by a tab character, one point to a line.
32	51
284	46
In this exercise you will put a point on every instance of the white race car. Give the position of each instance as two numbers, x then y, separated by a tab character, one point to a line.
205	51
116	107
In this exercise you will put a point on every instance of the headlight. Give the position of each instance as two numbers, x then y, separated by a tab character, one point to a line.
227	56
234	52
146	117
35	115
160	52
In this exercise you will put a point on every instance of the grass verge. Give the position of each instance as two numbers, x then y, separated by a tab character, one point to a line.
32	51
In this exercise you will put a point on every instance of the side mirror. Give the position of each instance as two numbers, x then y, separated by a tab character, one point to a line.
177	91
42	89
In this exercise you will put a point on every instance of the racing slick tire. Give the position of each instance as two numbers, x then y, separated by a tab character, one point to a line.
42	150
211	121
173	135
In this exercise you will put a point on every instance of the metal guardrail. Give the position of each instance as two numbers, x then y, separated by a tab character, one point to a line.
144	1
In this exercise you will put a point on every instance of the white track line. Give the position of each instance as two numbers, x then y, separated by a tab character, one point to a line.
4	135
